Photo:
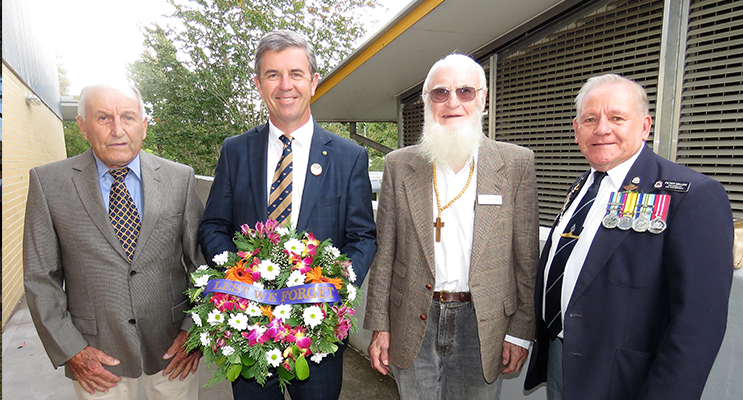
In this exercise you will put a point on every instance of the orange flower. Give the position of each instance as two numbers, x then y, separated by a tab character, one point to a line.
267	312
239	273
315	276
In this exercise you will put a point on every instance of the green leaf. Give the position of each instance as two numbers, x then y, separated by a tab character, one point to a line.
246	360
284	374
234	372
303	370
248	372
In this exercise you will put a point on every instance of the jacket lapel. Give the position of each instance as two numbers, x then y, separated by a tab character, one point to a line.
88	190
152	198
491	179
255	165
418	186
321	152
606	241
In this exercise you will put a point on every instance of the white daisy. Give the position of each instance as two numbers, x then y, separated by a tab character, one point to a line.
258	285
351	292
333	251
205	339
196	319
221	258
351	273
294	245
274	357
202	267
282	230
238	321
312	316
283	311
228	350
317	357
215	317
296	278
202	280
269	271
253	310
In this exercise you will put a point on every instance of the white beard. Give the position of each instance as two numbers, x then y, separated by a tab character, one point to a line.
451	145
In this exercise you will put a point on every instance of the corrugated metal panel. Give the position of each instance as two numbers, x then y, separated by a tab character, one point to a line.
711	121
28	55
536	86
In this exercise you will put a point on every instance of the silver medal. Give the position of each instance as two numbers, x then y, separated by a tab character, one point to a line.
610	221
641	224
625	222
657	225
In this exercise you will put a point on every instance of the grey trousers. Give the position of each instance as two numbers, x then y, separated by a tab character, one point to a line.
554	371
448	365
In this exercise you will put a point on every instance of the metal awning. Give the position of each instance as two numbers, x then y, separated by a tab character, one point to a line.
365	86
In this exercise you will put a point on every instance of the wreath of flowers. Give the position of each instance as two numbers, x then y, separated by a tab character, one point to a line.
243	336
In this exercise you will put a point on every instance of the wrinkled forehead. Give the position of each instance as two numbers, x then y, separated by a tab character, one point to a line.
451	77
615	96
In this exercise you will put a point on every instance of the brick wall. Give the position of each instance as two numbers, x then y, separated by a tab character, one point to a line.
32	135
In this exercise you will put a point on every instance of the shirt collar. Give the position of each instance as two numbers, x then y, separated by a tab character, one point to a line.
133	165
619	173
301	136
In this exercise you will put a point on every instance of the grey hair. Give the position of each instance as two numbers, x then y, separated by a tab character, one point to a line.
458	61
641	96
82	102
281	40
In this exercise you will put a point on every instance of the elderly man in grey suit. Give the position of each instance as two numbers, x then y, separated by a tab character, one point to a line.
450	288
109	242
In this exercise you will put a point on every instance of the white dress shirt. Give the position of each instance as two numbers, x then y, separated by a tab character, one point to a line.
611	183
453	253
301	143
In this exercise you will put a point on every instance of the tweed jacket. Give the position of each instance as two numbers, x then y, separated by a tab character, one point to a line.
82	290
503	262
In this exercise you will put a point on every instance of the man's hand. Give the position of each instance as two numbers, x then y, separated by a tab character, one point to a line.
181	364
513	357
87	365
380	359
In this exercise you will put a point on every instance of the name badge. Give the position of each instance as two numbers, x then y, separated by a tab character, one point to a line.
489	199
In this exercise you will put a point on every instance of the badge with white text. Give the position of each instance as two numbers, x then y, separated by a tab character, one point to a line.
316	169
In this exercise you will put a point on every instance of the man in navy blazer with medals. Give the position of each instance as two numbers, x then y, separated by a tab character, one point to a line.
329	192
633	285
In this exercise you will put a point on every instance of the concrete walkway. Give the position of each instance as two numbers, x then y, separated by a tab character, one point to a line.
28	374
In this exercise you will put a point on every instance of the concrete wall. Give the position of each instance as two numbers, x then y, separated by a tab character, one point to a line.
32	136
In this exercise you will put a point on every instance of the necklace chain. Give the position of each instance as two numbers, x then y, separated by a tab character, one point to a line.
436	189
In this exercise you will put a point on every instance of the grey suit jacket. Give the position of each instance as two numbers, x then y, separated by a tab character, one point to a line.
504	258
80	287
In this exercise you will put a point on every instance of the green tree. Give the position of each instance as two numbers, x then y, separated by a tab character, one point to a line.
197	77
74	142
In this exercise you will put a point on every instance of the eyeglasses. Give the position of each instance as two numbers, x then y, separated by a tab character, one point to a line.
464	94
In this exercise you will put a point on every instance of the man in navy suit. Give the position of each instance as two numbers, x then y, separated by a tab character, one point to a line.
330	193
644	281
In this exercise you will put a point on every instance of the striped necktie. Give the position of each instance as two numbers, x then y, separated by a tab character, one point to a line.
280	198
553	293
123	212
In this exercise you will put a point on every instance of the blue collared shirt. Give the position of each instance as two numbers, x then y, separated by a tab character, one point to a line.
133	182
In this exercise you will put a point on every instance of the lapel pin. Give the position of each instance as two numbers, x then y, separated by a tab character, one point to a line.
325	153
316	169
636	180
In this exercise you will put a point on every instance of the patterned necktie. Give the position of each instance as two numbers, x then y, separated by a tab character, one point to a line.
553	294
280	198
123	212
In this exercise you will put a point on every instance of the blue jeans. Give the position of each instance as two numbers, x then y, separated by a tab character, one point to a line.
554	371
448	364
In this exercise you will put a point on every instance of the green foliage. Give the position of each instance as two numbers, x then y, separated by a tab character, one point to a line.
384	133
74	142
197	78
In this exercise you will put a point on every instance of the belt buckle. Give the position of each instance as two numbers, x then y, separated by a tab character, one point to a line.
441	296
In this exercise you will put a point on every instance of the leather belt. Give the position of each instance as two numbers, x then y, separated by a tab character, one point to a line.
446	297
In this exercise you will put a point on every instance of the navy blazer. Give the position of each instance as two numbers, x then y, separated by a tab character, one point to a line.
336	204
648	312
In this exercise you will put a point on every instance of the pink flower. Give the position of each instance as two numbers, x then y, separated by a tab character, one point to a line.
259	228
304	265
297	337
223	302
245	229
227	335
220	342
271	225
274	238
341	331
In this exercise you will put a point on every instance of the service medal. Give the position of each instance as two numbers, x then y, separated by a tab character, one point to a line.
625	222
657	226
610	221
641	224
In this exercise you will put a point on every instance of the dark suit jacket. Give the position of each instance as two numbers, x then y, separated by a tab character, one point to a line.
336	204
648	312
505	247
82	290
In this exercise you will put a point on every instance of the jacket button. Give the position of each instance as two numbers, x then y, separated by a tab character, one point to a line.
132	321
133	273
423	317
429	287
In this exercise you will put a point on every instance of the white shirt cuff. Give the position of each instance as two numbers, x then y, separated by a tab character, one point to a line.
519	342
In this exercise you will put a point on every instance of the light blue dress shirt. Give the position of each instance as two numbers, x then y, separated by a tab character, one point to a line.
133	182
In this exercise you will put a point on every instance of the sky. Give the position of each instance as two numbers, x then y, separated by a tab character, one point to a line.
96	39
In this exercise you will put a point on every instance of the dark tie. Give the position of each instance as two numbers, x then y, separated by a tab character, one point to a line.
123	212
280	198
553	293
